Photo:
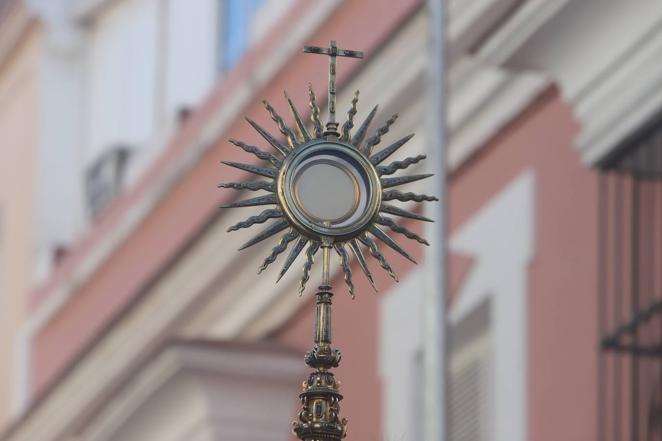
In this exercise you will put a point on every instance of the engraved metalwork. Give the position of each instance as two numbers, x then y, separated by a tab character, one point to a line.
388	151
399	165
332	51
377	137
344	157
319	419
252	186
390	195
347	228
272	213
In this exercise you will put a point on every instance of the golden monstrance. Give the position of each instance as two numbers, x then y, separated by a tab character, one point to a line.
329	190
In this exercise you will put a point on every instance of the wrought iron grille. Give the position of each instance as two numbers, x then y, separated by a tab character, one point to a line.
630	290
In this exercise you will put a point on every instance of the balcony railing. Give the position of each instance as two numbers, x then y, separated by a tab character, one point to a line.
630	290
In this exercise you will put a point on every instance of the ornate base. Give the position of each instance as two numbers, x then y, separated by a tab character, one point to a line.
320	420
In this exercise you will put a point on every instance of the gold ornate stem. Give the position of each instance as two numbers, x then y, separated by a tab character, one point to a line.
319	419
326	263
360	223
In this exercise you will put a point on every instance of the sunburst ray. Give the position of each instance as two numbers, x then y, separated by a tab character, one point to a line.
268	232
377	137
301	127
384	153
279	248
390	195
358	254
265	156
374	252
310	259
272	213
269	199
252	186
282	148
280	122
378	233
398	165
397	211
315	112
308	241
262	171
388	222
358	138
349	124
347	270
294	253
401	180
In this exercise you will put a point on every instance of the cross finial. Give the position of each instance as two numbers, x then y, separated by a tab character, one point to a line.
332	51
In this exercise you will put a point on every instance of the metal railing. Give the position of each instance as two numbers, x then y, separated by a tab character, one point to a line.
630	290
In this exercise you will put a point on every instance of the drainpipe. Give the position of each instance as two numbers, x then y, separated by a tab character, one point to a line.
435	294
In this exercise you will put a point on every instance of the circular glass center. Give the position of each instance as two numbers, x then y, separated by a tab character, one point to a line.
326	191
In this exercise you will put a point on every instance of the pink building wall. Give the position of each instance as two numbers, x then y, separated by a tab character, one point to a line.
165	232
562	293
562	278
19	141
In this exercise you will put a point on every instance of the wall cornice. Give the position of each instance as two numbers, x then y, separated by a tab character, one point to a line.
616	104
204	374
605	59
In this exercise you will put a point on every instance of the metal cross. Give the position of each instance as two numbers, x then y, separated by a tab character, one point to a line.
332	51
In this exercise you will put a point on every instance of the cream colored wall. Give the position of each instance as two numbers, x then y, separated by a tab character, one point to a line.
18	147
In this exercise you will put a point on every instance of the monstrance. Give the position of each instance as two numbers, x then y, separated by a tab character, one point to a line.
330	191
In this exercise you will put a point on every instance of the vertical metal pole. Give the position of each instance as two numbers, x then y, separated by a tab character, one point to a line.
434	304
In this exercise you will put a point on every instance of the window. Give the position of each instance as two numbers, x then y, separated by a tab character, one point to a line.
237	29
104	179
469	370
630	290
122	69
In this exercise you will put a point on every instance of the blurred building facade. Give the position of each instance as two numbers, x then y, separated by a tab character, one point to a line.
126	314
20	39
